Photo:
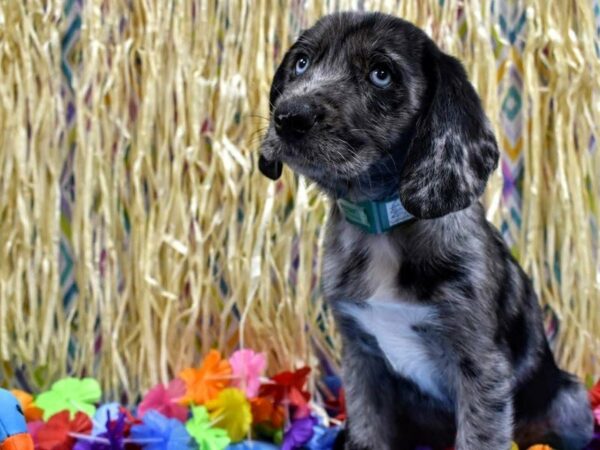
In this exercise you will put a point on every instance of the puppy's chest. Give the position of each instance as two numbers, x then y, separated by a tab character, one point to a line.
403	328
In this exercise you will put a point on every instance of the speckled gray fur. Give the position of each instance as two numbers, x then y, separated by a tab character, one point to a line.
443	340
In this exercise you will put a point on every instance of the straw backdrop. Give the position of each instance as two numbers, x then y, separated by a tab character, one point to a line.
136	232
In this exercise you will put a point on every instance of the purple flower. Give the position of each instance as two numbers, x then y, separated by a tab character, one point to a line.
104	415
595	444
252	445
111	439
299	433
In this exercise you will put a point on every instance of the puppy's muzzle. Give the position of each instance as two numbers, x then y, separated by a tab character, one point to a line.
294	118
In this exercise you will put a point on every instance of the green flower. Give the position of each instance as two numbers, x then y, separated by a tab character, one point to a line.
206	436
70	394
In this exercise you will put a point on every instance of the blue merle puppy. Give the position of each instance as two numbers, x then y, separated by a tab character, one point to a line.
443	341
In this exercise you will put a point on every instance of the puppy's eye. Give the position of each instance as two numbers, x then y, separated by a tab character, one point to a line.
302	64
380	77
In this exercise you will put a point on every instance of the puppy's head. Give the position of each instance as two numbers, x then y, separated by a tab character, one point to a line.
366	105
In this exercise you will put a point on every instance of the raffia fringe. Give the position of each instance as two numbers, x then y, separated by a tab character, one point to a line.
179	244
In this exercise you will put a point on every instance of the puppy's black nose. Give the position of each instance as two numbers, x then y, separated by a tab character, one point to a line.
293	118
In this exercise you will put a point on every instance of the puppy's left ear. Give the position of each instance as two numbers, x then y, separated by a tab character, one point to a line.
453	150
270	169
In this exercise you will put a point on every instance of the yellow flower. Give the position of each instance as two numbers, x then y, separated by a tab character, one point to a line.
231	411
514	446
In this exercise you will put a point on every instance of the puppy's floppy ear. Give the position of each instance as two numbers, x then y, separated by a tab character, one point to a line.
272	169
453	150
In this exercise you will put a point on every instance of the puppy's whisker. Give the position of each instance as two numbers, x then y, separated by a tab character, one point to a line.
258	116
257	137
260	130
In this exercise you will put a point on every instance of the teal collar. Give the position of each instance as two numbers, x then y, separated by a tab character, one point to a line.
375	217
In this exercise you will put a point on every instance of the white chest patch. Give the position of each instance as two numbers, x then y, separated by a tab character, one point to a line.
390	318
391	323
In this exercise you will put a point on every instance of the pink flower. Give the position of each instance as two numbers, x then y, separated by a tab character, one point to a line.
247	367
33	428
597	414
165	400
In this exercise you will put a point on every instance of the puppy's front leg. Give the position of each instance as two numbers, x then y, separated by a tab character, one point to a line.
484	402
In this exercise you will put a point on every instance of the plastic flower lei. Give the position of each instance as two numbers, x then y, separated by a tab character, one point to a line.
231	411
247	366
72	395
204	433
237	403
205	383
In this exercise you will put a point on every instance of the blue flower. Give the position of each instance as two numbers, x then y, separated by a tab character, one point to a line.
158	432
323	438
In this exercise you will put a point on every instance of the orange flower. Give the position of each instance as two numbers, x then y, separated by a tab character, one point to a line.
205	383
32	412
264	411
540	447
